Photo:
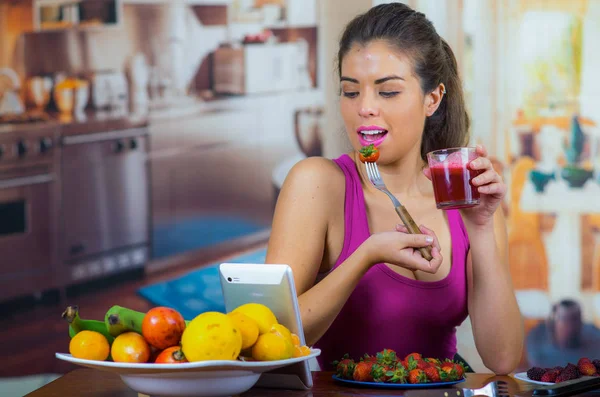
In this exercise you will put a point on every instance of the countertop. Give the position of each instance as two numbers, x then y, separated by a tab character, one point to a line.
93	121
88	123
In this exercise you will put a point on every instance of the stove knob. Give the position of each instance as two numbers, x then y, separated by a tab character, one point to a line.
21	148
1	151
119	146
45	145
133	144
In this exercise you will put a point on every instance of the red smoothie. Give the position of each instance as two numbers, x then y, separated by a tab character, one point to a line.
452	185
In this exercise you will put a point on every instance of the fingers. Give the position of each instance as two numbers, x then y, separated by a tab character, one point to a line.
413	260
415	240
429	232
424	230
481	150
487	177
427	172
490	183
481	163
495	189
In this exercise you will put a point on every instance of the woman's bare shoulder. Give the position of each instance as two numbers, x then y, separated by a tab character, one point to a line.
316	174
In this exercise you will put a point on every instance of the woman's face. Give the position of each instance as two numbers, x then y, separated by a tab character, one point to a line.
381	101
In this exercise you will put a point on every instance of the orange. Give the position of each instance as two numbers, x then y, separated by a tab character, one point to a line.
130	347
301	351
89	345
295	340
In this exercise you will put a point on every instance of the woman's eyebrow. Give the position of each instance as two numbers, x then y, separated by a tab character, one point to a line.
378	81
387	78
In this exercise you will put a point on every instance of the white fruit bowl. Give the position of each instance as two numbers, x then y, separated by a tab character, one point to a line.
204	378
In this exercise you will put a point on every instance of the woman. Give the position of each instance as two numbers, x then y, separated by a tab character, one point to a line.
361	281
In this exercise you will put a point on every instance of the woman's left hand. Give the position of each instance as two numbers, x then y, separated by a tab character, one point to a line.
491	187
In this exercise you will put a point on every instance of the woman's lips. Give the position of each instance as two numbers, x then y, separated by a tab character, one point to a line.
371	137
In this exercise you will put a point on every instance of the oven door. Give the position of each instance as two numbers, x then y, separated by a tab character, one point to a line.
104	195
25	227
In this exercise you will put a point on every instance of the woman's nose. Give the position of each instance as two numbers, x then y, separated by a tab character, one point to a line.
368	108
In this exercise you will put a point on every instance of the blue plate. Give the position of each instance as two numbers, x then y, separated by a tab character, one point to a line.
380	385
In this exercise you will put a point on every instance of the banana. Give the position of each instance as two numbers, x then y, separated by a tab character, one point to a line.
120	319
77	324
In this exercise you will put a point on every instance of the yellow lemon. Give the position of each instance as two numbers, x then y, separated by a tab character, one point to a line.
272	346
211	336
247	326
89	345
260	313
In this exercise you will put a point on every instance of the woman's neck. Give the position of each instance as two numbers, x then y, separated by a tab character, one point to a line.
404	177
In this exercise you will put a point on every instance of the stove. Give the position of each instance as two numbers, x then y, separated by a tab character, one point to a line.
28	224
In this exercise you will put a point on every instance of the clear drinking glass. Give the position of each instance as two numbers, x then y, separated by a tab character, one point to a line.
451	177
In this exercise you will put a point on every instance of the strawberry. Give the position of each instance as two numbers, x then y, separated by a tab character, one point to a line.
460	370
585	367
411	363
368	154
434	374
422	364
416	356
550	376
434	361
369	359
382	373
417	376
450	370
386	357
398	375
345	367
362	371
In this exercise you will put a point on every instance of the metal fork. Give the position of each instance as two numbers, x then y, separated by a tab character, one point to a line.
498	388
375	178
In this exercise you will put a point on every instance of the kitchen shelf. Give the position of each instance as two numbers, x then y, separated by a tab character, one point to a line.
188	2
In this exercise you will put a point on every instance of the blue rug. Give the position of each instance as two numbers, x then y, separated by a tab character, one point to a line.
199	232
198	291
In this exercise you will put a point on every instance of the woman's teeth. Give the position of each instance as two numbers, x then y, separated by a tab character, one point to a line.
372	135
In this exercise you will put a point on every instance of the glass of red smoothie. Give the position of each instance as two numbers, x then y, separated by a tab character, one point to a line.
451	177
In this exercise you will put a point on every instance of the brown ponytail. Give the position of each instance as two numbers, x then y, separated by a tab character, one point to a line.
413	34
449	125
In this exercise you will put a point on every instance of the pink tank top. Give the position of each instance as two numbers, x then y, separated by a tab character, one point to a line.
387	310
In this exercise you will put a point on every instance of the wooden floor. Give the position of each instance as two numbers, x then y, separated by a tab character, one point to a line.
32	331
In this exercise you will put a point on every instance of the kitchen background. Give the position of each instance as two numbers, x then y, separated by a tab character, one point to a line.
144	141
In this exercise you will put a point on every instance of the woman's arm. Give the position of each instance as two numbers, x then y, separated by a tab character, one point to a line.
310	200
493	308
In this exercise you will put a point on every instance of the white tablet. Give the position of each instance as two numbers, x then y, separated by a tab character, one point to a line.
272	286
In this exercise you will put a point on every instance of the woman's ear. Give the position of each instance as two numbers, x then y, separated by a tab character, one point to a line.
434	98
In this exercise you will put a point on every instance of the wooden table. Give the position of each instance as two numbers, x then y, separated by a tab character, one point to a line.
94	383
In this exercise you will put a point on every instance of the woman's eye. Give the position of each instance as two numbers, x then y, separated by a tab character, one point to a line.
350	94
388	94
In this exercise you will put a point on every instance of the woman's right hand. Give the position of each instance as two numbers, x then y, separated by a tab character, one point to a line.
401	248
